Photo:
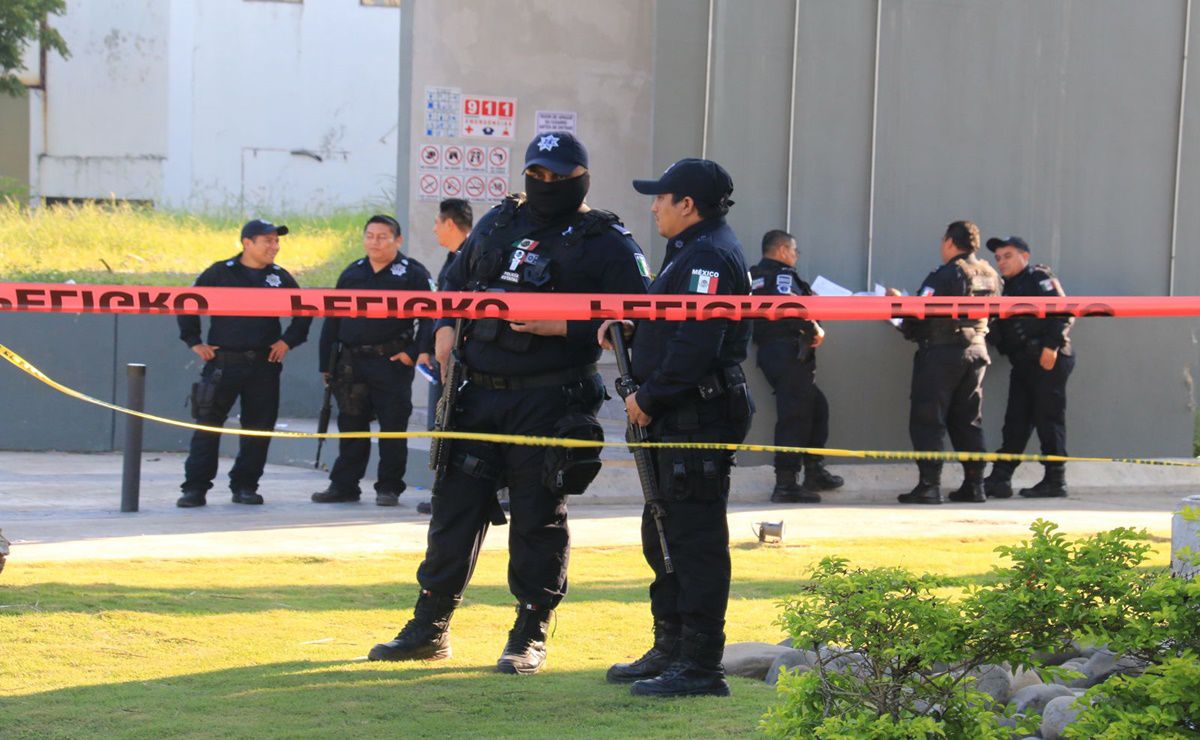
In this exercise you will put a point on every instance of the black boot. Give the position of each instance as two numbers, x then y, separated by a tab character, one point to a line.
970	492
817	478
334	495
928	489
191	499
1052	485
656	659
788	492
696	672
998	484
427	634
525	651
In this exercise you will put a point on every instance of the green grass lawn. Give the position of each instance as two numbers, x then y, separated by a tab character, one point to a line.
122	244
272	647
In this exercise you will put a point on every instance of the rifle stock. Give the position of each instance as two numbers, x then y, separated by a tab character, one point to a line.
627	386
326	404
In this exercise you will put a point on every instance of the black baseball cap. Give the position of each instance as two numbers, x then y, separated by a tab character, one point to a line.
1011	241
703	180
558	151
258	227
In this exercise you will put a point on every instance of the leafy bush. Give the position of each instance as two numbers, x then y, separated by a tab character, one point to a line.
1164	702
898	654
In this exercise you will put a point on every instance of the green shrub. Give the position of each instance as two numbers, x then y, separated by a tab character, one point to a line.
1164	702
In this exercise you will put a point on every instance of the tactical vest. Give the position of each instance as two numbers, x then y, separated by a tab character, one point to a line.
980	281
511	260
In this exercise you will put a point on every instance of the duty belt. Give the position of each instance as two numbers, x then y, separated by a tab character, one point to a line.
720	381
242	356
526	382
387	349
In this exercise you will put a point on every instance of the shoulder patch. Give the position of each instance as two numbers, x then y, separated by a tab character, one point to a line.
1049	284
926	291
704	281
643	268
756	283
783	283
273	281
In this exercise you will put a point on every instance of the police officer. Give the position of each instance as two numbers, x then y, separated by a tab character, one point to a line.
373	372
242	360
450	227
692	389
948	369
523	378
1042	360
787	354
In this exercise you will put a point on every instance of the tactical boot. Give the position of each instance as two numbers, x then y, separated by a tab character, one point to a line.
696	672
1052	485
928	489
788	492
525	651
246	496
817	478
334	495
656	659
387	498
191	499
970	492
427	634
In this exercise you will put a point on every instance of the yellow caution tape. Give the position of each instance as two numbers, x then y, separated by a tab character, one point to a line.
513	439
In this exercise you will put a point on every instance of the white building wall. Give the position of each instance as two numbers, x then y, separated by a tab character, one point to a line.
222	105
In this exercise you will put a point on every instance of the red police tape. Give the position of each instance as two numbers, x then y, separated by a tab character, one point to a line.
377	304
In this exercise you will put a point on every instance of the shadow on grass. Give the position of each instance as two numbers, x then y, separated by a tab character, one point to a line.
325	699
55	597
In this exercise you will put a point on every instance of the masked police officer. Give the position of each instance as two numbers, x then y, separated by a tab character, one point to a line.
948	369
1042	360
534	378
692	389
242	360
372	374
787	354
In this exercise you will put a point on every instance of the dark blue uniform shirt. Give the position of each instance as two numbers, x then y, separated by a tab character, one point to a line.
609	261
670	358
1012	336
244	332
774	278
404	273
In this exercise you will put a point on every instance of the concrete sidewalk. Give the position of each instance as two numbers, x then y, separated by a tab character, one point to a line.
62	506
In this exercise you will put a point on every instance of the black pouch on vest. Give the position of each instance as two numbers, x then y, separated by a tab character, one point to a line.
698	475
567	471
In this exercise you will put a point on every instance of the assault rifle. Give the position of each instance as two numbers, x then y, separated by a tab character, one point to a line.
443	418
326	403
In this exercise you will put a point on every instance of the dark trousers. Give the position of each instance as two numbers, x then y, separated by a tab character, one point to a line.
538	536
801	409
256	384
947	395
1037	399
388	398
697	593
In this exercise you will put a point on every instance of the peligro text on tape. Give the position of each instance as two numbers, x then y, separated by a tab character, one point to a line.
109	299
27	367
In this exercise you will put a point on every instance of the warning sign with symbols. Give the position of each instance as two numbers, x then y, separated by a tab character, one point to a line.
452	157
429	186
452	186
488	117
475	187
429	157
475	159
497	160
497	187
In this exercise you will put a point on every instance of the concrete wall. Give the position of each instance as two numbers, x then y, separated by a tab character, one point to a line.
200	105
14	142
576	55
1055	121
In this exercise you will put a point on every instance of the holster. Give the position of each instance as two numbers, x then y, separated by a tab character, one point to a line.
353	396
204	393
567	471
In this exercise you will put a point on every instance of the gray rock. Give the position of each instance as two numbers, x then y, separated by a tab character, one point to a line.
1074	664
1059	713
1024	679
793	660
751	659
1033	699
787	643
1059	656
1105	664
994	680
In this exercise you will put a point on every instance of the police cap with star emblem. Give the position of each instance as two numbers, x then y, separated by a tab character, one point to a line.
1012	241
258	227
703	180
558	151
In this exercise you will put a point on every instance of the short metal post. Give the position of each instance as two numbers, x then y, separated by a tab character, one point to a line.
131	478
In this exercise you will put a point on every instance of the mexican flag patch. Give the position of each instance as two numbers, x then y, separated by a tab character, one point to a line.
704	281
643	268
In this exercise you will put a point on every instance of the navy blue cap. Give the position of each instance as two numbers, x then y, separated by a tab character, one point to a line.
558	151
703	180
258	227
1012	241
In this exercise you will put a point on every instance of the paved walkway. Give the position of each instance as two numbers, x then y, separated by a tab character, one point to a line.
60	506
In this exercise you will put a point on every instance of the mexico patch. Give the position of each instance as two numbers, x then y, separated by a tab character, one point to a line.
927	291
643	268
704	281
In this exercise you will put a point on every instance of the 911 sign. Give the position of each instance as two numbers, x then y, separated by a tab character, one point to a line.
488	117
